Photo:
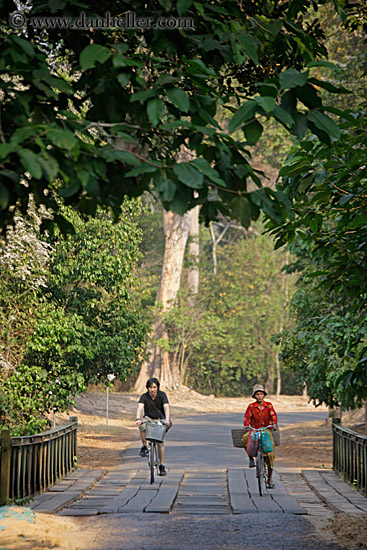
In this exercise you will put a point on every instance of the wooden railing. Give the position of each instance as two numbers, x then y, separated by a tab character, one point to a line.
29	464
350	457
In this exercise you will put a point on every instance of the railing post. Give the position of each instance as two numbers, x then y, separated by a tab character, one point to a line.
75	440
5	466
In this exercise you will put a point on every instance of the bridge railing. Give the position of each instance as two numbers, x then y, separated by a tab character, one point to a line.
350	457
29	464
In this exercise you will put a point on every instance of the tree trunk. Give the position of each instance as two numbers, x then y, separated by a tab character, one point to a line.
215	242
193	251
279	374
176	230
214	249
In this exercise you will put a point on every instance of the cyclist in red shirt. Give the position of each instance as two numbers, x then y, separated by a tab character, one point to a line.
258	415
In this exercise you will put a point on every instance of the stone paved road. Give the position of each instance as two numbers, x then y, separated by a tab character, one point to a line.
199	446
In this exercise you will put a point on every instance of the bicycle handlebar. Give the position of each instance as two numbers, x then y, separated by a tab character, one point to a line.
259	429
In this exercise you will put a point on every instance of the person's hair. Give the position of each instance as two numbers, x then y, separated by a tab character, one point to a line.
152	381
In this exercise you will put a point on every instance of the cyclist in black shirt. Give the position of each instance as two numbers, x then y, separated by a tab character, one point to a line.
153	407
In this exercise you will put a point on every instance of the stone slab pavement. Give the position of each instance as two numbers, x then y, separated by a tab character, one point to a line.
206	474
208	499
229	491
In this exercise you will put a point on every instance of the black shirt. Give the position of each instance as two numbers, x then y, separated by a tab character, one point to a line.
151	405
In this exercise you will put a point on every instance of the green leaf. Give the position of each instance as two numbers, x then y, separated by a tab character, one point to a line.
23	134
204	167
200	66
179	98
282	116
327	64
315	223
50	167
300	125
245	112
59	84
8	148
62	138
253	132
241	210
93	54
266	103
183	6
93	188
307	145
309	96
345	199
119	60
292	170
29	159
56	5
124	79
166	4
26	46
324	123
167	189
249	45
142	169
154	110
291	78
123	156
70	190
188	175
330	87
143	94
13	176
4	196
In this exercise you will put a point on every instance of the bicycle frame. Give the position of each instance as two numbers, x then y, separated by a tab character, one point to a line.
261	468
153	461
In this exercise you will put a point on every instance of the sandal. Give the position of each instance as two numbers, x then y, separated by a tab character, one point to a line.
270	485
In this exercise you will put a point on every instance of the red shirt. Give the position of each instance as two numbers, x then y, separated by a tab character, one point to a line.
258	418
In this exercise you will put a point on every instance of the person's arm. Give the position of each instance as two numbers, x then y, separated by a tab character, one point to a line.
273	416
166	414
139	413
247	419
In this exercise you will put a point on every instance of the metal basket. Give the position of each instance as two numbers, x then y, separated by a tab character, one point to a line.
237	436
155	432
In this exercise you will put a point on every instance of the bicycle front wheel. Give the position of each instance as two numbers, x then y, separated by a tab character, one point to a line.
260	472
152	459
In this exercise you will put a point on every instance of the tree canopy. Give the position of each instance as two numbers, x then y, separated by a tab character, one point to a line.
327	187
105	111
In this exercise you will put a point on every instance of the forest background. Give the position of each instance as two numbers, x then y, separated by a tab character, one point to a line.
78	305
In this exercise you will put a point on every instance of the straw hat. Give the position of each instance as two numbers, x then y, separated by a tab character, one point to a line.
258	387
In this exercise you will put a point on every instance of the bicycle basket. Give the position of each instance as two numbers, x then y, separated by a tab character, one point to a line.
276	437
155	432
237	436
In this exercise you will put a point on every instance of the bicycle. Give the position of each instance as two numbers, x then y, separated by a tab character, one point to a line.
153	461
154	432
261	468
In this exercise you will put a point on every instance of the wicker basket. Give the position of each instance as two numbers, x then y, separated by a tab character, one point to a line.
276	437
155	432
237	436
